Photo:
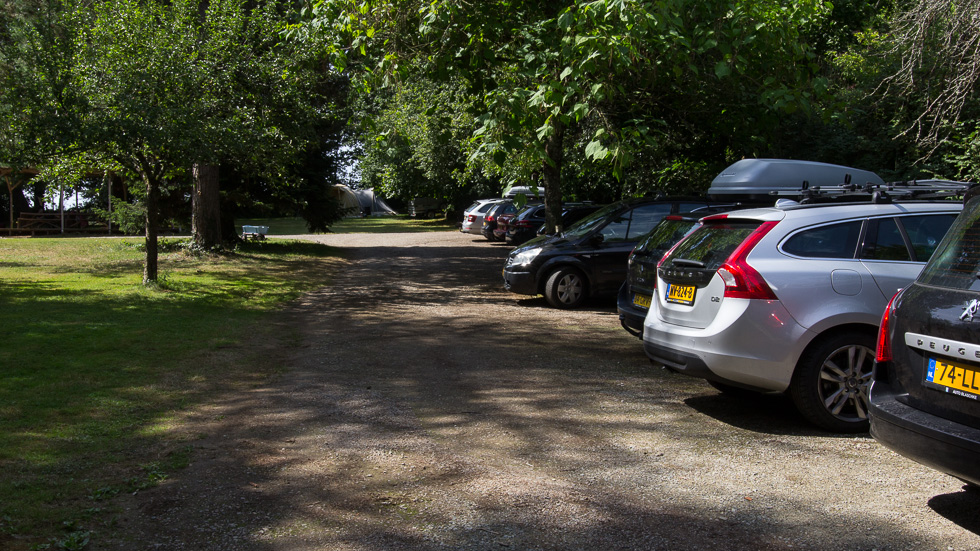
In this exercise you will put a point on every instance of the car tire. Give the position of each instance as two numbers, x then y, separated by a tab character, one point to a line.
566	288
832	379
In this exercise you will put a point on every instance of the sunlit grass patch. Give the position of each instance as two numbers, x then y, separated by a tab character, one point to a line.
94	365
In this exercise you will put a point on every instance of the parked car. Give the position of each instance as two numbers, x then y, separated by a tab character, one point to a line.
490	218
925	398
473	215
789	298
589	258
504	221
532	224
636	293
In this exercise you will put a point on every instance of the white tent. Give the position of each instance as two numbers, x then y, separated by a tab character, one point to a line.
371	204
347	199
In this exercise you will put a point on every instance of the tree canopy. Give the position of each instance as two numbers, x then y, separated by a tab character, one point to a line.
595	99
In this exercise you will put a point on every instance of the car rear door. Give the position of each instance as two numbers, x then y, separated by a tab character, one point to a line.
895	249
689	290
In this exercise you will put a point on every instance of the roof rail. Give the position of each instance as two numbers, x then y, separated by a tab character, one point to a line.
880	193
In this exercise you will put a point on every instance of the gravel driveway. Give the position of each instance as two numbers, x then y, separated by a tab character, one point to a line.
420	406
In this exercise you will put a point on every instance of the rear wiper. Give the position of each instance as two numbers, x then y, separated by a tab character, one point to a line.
687	263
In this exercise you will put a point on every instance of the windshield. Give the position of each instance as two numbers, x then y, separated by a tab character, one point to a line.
665	234
591	222
956	262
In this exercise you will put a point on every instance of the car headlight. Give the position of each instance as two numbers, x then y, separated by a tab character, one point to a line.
524	257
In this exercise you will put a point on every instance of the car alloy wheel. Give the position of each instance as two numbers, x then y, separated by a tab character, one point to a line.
831	383
566	288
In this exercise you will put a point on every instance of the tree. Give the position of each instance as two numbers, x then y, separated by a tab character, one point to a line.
939	45
678	74
156	87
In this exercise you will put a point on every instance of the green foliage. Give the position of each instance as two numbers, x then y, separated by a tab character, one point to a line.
153	87
651	83
129	218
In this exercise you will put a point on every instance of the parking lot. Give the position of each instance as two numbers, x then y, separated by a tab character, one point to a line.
421	406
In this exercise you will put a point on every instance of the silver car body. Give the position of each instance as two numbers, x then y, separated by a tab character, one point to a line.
474	214
757	343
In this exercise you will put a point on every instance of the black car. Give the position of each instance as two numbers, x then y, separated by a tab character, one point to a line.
490	220
637	291
925	397
589	259
529	223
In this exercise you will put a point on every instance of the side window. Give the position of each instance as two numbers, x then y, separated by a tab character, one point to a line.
885	242
925	232
617	229
645	217
833	241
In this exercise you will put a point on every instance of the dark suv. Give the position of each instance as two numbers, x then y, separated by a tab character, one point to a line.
589	259
925	398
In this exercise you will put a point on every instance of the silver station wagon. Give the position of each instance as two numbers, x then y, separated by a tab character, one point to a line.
789	298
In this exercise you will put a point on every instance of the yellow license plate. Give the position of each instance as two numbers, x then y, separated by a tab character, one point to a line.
642	301
681	294
955	379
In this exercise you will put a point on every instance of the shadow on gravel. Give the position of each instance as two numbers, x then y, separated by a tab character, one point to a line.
427	409
762	413
961	508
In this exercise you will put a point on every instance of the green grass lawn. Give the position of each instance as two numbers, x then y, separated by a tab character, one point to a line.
95	367
370	224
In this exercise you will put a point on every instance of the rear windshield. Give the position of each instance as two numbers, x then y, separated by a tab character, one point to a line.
956	262
665	234
712	243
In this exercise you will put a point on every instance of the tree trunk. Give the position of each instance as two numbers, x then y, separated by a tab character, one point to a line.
551	171
152	208
206	206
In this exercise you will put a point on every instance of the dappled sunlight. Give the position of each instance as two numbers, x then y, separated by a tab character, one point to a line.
421	406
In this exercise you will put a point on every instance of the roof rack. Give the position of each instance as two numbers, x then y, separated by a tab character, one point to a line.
879	193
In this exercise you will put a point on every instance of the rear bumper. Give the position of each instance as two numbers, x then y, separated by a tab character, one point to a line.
939	443
630	316
751	344
517	237
471	227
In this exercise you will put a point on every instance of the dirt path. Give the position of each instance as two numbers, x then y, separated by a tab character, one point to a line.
425	408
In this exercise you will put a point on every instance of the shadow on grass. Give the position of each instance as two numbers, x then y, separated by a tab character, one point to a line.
92	369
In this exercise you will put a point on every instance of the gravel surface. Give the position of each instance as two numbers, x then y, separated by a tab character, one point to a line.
421	406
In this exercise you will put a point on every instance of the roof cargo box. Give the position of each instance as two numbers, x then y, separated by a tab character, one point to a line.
529	191
756	179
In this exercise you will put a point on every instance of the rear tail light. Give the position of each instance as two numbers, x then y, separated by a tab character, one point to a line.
742	280
522	224
884	348
471	218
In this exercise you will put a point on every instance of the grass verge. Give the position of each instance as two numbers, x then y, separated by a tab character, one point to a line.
94	366
370	224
